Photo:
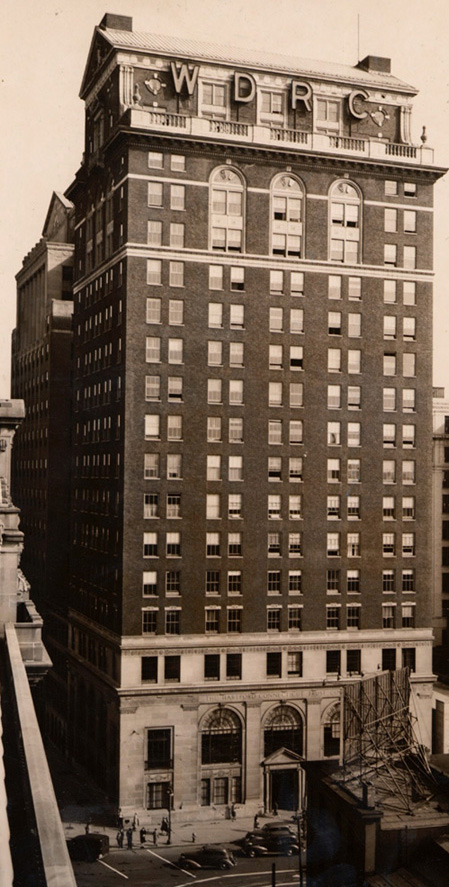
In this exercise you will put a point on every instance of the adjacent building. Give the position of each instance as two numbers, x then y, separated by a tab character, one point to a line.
41	376
252	409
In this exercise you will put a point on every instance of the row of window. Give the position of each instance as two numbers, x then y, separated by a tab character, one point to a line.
227	217
215	580
389	544
389	470
275	621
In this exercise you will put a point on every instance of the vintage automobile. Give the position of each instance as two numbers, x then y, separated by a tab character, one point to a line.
208	856
263	842
88	847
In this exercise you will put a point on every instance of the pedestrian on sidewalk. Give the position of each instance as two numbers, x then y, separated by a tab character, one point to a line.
256	821
119	837
120	818
193	837
155	837
135	821
275	808
87	828
143	835
129	836
233	814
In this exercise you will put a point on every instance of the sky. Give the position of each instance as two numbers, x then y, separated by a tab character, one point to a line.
43	52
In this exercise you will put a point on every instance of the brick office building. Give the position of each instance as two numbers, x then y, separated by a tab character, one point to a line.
253	409
41	376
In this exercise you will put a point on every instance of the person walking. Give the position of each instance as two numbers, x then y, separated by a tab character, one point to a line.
120	838
256	821
155	837
143	835
129	836
135	821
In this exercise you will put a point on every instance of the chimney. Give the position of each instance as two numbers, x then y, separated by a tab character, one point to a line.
116	22
375	64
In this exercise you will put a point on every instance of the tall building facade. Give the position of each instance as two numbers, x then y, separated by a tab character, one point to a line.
252	414
41	375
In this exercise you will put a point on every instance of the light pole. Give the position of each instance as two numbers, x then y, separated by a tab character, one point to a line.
170	796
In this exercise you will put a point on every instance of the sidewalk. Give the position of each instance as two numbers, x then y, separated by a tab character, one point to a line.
80	802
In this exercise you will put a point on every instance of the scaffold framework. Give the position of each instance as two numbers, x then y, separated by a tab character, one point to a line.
379	743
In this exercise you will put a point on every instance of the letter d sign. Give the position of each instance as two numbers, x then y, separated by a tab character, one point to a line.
244	88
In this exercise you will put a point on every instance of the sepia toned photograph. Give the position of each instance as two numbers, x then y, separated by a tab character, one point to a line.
224	444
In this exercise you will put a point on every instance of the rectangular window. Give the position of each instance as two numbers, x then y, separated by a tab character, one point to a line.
212	626
236	354
389	435
275	357
333	470
408	616
353	471
152	427
213	470
295	468
296	357
408	400
296	320
294	624
235	468
409	292
388	583
294	581
410	257
390	291
409	656
175	350
409	365
334	286
334	397
408	544
276	281
275	431
334	360
354	325
389	326
275	394
388	544
274	544
333	544
294	507
274	582
388	659
408	507
235	505
152	388
155	160
408	580
333	661
388	616
234	664
172	668
274	619
234	620
354	434
294	544
154	233
214	353
149	621
174	427
212	582
390	254
389	365
276	320
235	430
334	323
213	506
389	471
389	400
173	505
155	193
333	580
274	665
211	664
214	389
236	317
354	361
333	507
353	617
154	272
176	271
409	221
175	312
408	471
353	507
173	582
388	509
149	579
150	505
274	507
390	220
177	234
333	617
174	388
353	543
297	283
295	431
234	544
178	162
177	196
216	277
151	465
409	189
215	320
148	666
353	581
235	391
296	394
353	660
214	428
391	188
237	278
354	287
173	545
174	466
150	544
333	433
212	544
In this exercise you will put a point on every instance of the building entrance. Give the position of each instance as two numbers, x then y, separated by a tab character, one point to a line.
284	789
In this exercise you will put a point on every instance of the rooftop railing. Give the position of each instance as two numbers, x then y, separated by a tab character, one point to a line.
206	128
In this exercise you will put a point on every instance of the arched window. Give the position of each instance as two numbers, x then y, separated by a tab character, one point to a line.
221	738
331	728
226	211
283	729
286	216
344	223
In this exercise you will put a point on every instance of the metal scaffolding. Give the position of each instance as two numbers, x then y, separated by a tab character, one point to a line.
379	747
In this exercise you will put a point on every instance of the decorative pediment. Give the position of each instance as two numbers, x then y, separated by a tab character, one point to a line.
99	50
282	757
55	226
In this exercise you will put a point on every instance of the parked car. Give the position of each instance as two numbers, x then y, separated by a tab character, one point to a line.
207	857
89	847
256	844
279	828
